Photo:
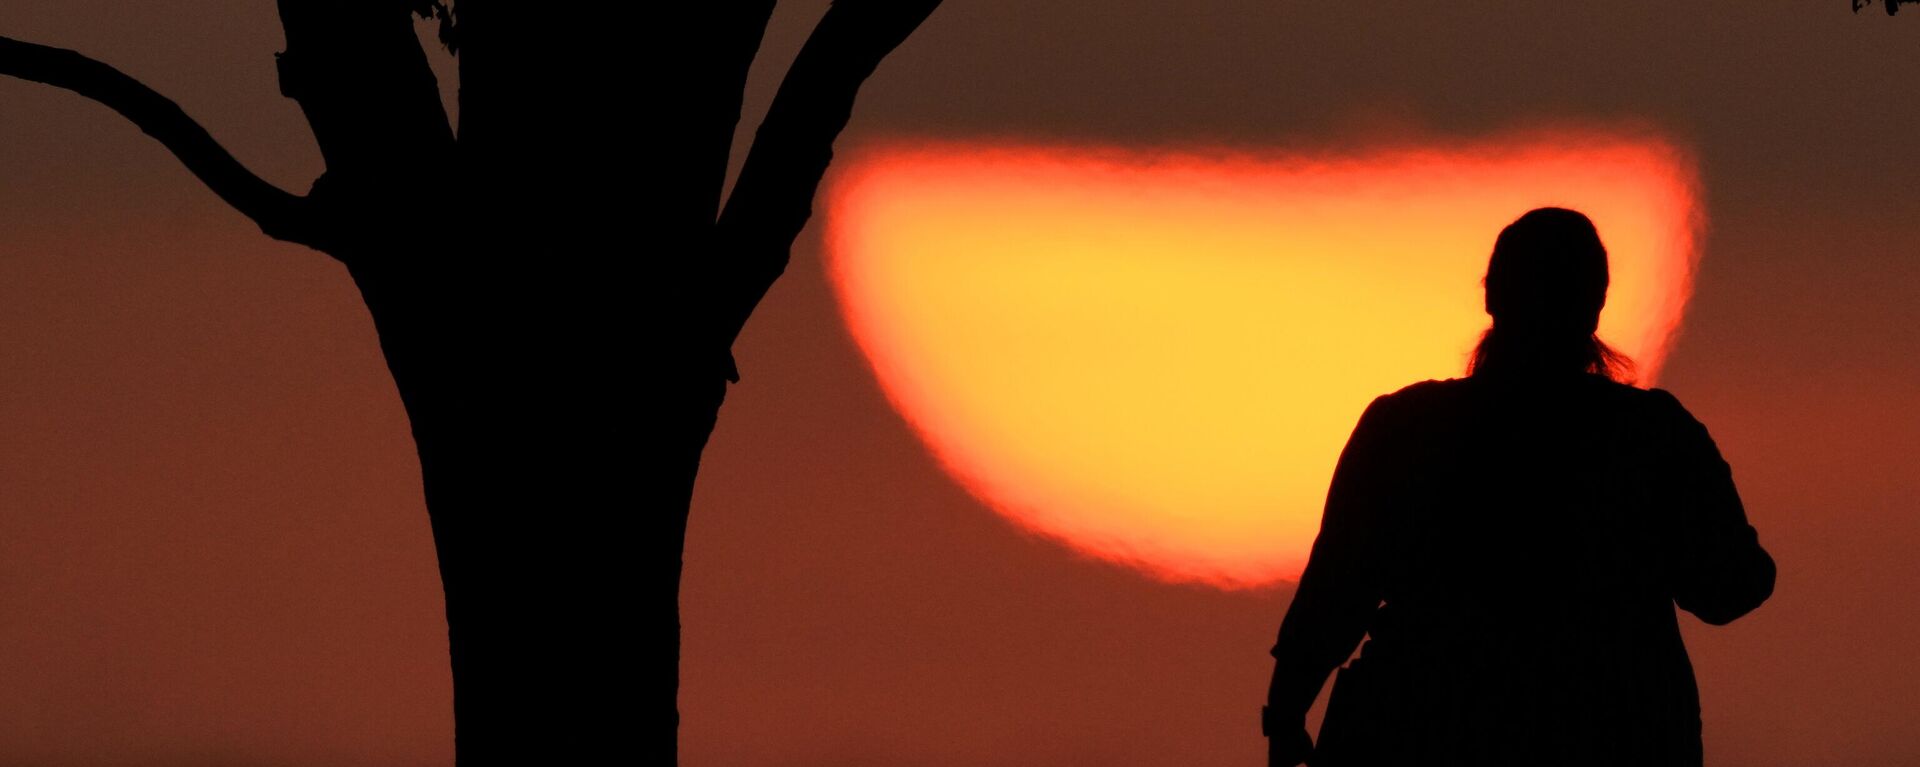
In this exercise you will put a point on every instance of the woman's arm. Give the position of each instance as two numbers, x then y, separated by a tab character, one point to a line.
1340	587
1720	571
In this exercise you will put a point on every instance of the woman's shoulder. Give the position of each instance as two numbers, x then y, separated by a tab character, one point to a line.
1653	400
1427	390
1426	396
1666	407
1440	392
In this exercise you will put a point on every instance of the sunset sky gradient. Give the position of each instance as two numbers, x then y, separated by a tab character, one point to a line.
214	552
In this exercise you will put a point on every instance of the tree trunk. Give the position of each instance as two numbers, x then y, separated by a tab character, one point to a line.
558	482
556	293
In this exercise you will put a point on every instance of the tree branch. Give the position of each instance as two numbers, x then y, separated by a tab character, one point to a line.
738	28
281	215
773	197
360	76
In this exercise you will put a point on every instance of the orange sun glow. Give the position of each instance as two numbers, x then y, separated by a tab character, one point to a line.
1155	357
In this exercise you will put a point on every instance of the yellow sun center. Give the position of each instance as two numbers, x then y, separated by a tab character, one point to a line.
1155	357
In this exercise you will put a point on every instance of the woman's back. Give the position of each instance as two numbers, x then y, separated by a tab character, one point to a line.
1514	546
1515	543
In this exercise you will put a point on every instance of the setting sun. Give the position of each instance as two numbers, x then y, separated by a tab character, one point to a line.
1155	356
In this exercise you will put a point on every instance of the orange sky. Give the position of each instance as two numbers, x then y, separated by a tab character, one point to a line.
212	545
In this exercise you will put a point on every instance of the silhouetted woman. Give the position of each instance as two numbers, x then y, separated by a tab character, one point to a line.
1512	544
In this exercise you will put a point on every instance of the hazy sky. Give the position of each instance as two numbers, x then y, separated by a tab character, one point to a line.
213	548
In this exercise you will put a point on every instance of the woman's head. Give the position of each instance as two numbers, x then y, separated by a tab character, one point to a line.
1546	284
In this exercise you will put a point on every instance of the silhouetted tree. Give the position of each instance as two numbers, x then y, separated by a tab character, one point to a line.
556	288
